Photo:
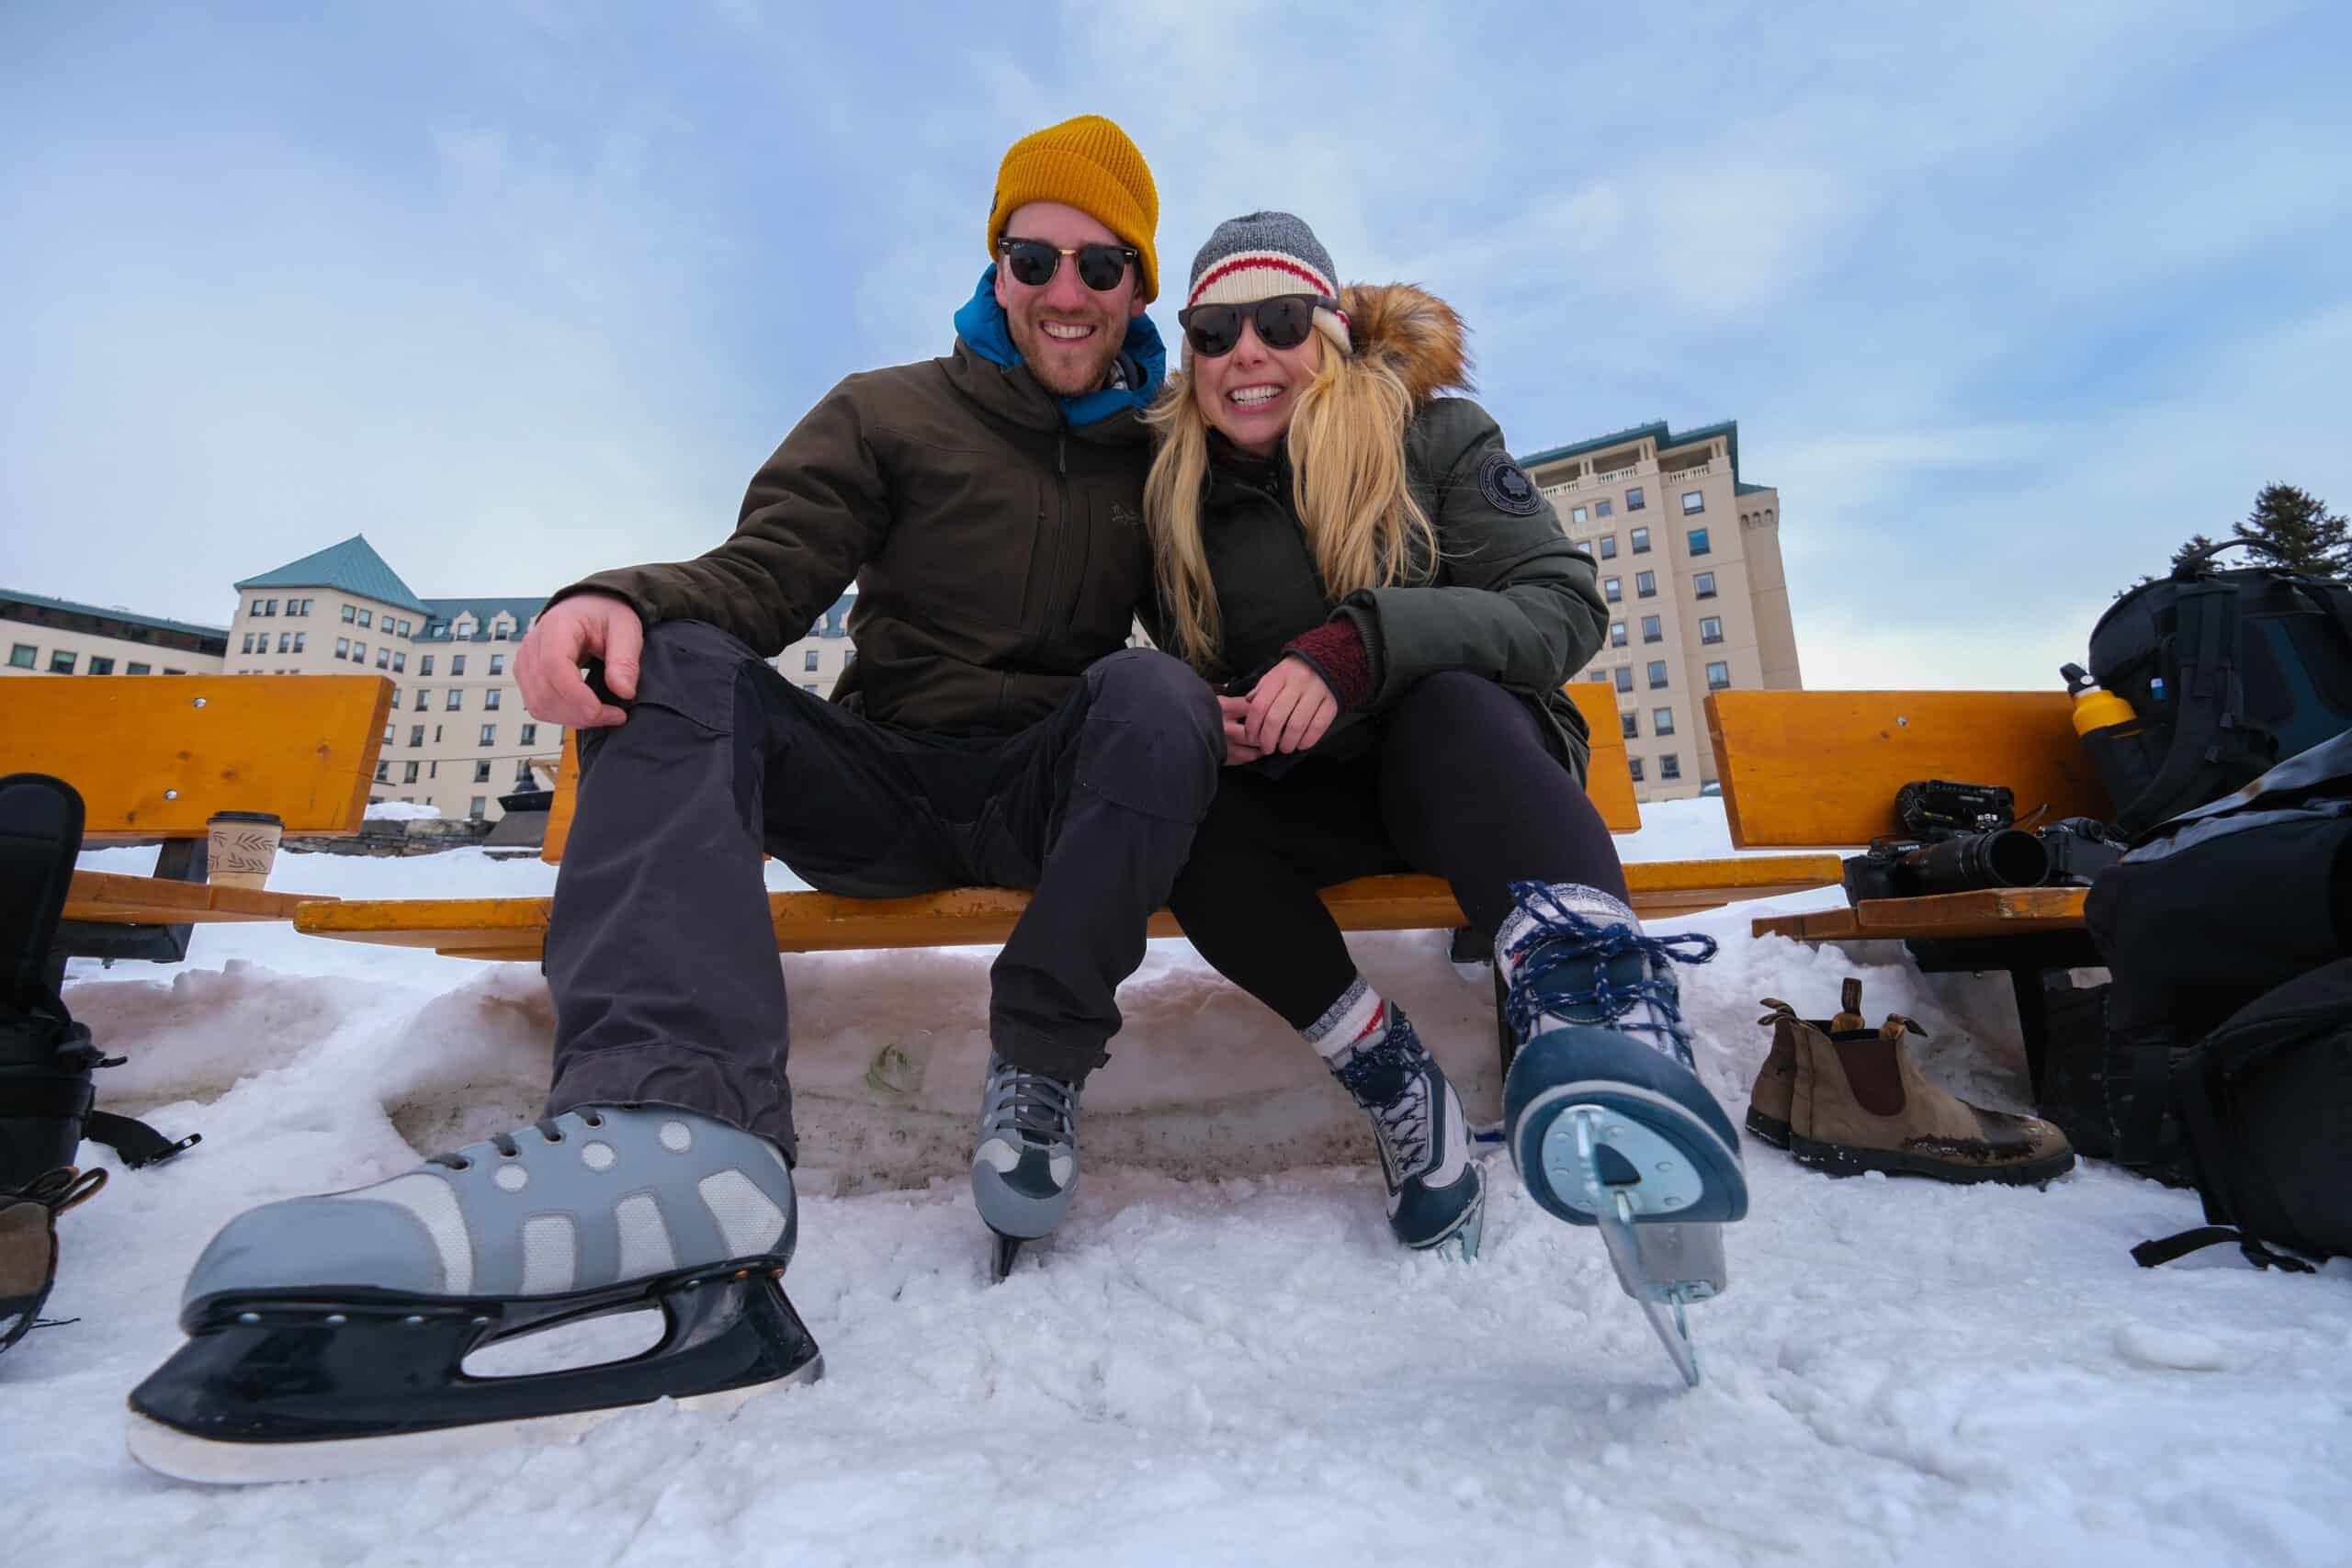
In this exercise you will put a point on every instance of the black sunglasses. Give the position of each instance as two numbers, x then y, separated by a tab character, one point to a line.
1033	262
1282	322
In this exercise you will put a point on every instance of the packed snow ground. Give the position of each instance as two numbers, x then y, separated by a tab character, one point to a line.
1200	1369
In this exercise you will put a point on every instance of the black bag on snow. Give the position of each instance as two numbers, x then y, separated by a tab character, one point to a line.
2229	672
2206	929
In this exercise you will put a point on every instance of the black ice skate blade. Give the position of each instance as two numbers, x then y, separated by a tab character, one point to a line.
302	1385
1002	1251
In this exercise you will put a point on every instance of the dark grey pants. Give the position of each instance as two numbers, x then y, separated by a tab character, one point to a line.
659	951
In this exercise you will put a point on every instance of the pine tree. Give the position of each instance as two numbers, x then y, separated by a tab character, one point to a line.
2294	528
2195	542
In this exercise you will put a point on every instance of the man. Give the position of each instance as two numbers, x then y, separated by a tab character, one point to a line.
992	730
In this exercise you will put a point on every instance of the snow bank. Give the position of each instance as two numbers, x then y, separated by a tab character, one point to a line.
1204	1370
401	811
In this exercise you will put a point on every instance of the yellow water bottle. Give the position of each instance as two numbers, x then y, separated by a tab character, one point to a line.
2099	708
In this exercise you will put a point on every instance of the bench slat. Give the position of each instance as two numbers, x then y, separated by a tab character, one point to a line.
823	922
1990	912
112	898
154	756
1820	769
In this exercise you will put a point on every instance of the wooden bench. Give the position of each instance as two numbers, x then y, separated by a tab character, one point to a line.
515	929
154	756
1820	770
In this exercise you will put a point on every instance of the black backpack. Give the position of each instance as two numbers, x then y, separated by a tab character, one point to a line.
2229	672
2225	1057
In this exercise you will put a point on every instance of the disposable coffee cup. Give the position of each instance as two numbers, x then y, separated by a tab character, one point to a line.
241	846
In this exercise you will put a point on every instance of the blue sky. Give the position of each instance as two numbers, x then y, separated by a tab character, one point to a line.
2008	299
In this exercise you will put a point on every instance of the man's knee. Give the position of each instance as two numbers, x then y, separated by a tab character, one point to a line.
1153	739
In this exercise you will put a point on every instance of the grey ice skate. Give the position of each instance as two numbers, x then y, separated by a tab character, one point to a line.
1024	1169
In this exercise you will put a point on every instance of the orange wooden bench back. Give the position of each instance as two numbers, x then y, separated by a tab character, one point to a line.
1609	781
154	756
1819	770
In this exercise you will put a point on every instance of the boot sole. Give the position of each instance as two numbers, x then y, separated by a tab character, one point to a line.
1637	1088
1772	1129
1840	1160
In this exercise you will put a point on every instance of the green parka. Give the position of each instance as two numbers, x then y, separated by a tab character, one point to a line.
1508	597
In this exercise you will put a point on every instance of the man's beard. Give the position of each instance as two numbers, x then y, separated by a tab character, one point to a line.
1091	376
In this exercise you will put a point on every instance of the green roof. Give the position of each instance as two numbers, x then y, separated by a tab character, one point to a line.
446	612
1656	431
353	566
107	612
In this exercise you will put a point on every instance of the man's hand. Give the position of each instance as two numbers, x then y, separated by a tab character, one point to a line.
548	665
1289	709
1238	749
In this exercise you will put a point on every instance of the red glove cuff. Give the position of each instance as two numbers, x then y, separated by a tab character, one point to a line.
1335	649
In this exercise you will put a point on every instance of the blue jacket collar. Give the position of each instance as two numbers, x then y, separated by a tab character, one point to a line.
1143	358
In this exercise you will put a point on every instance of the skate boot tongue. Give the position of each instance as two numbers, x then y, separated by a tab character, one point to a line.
1576	958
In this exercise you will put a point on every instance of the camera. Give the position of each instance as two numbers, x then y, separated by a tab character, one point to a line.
1959	838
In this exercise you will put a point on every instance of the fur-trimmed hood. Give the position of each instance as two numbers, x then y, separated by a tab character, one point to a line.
1414	331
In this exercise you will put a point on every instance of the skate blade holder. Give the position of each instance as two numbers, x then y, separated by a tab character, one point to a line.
1628	1178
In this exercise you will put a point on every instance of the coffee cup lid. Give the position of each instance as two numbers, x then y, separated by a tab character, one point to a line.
246	817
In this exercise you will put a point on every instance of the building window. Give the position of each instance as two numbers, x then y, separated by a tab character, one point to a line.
23	655
383	772
358	652
1653	629
437	738
530	736
1711	629
257	606
1641	541
350	614
457	701
1669	766
1694	502
456	665
399	663
100	665
1657	674
1633	501
849	656
1662	721
1608	546
476	808
383	658
365	620
1698	542
482	772
498	664
1613	590
408	772
134	667
1633	766
285	642
1646	584
425	665
416	735
423	698
299	639
1624	677
61	662
1579	515
809	685
808	661
1600	509
1616	634
1719	677
489	699
498	632
1703	585
1632	724
1597	675
490	735
247	645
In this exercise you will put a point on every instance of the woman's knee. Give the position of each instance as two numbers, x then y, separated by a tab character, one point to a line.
1454	705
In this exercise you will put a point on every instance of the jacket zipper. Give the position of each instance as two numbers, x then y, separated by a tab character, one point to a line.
1061	539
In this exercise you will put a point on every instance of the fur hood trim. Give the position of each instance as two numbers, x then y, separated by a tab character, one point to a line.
1416	333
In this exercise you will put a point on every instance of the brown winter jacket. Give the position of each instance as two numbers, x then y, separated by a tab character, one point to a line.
996	552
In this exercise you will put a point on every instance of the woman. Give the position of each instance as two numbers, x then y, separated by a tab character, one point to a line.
1392	609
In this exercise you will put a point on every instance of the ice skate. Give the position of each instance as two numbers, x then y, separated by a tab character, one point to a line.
328	1334
1437	1190
1605	1117
1024	1169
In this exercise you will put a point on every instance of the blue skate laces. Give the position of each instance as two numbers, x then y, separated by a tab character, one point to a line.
1561	937
1388	1081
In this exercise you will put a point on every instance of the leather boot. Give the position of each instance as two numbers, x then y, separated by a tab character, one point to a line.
1775	1090
1857	1102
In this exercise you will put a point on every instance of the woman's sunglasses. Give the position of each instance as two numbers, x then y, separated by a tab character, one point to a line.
1033	263
1282	322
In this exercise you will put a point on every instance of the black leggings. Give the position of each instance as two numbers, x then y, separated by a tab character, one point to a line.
1460	785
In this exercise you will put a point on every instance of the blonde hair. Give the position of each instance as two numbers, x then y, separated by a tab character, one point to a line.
1348	482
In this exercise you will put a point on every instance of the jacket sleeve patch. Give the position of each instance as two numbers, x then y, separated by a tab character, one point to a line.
1507	487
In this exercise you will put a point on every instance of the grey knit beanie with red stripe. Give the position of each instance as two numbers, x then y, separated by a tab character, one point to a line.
1260	254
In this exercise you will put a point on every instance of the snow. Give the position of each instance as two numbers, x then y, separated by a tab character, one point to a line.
1223	1357
401	811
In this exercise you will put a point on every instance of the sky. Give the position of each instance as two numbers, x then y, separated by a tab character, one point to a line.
2007	299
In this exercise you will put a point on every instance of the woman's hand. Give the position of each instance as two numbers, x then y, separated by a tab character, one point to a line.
1238	750
1288	710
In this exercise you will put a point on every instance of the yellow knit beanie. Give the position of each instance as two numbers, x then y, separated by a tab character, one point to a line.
1087	162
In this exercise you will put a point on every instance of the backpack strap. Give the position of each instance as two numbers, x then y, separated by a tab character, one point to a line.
2151	1254
2211	707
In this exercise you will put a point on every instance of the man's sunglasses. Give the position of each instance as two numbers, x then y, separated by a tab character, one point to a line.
1282	322
1033	263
